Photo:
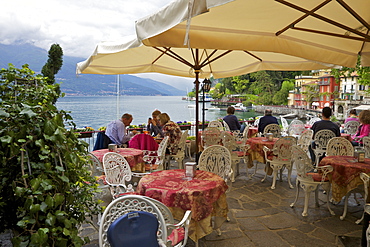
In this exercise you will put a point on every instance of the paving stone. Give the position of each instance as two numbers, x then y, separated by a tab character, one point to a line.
250	224
255	205
224	235
323	234
244	241
279	221
337	226
306	228
249	213
297	238
266	238
233	203
272	210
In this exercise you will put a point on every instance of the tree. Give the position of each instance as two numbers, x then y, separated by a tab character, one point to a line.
46	190
281	96
54	63
311	92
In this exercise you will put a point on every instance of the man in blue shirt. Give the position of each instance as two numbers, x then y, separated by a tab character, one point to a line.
117	132
266	120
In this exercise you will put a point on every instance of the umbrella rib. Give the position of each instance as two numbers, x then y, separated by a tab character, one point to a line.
207	57
332	34
302	17
353	13
260	59
173	55
337	24
219	56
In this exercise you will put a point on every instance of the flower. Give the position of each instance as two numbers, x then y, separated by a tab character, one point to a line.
103	128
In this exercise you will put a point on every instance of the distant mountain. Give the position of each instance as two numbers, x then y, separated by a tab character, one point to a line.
83	84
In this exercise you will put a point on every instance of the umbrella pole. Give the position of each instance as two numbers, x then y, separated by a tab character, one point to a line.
196	115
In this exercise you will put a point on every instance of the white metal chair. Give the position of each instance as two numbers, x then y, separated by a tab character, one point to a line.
296	128
281	158
217	159
309	181
366	145
180	154
211	136
229	141
217	124
305	139
321	140
366	179
96	167
313	120
117	173
155	160
131	203
256	122
285	125
351	127
339	146
274	129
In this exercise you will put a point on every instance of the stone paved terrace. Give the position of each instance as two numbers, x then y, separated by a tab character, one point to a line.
262	217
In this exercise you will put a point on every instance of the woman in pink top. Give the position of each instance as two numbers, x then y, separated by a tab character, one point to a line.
363	129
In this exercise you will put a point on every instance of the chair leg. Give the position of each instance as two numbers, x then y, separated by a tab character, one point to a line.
345	206
297	193
326	187
307	192
266	167
290	168
275	171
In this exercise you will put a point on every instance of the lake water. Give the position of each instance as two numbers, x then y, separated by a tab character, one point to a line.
98	111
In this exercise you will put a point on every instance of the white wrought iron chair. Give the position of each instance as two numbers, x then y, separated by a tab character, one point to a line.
366	146
211	136
285	125
96	167
226	126
313	120
154	160
281	157
217	124
351	127
180	154
229	141
117	173
296	128
131	203
274	129
309	181
217	159
366	179
305	139
321	140
339	146
256	122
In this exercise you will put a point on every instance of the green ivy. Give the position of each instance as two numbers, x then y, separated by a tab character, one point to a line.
46	190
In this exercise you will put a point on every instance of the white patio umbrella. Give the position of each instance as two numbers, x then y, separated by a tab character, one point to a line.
329	31
130	56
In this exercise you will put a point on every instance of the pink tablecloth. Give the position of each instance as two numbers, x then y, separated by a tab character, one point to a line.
252	131
133	156
346	174
256	150
204	196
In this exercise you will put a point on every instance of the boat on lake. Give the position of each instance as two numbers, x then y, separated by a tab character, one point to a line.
239	107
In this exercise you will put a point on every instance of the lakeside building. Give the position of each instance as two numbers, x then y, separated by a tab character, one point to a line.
321	90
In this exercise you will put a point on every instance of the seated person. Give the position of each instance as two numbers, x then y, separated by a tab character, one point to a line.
266	120
117	132
324	123
171	129
363	129
153	124
352	116
231	119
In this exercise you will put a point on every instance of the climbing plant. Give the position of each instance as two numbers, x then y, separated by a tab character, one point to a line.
46	191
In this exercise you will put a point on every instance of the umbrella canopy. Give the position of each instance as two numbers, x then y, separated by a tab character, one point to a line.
130	56
332	32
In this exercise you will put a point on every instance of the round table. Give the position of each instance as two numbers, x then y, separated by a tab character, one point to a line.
204	195
133	156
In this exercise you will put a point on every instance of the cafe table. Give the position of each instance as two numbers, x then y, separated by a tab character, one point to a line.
133	156
252	131
346	174
256	150
204	195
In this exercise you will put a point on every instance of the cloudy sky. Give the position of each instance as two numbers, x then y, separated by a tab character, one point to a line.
77	26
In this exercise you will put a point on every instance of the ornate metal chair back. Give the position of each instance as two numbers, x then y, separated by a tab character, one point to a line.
216	159
296	128
305	139
313	120
211	136
217	124
339	146
274	129
366	143
351	127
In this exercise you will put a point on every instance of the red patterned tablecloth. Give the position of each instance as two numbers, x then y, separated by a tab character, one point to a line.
252	131
256	150
346	174
133	156
347	136
204	196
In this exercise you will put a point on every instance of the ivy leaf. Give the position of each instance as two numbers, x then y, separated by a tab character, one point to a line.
28	112
4	113
6	139
43	207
